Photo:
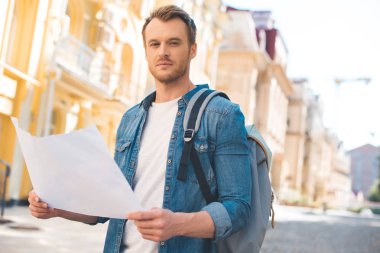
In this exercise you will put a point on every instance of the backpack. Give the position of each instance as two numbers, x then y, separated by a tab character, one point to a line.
250	238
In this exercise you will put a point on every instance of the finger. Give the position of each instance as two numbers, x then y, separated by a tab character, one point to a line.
143	215
148	231
144	223
39	209
36	200
32	192
38	203
40	215
154	224
33	196
149	234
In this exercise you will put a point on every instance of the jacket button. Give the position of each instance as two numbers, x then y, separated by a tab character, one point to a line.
179	113
169	161
167	188
162	243
202	147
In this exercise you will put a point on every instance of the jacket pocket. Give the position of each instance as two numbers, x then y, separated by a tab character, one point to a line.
202	145
205	151
122	145
121	152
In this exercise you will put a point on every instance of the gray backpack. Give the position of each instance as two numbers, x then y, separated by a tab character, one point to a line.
250	238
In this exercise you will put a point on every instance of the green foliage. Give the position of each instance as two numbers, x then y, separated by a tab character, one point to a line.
374	193
355	209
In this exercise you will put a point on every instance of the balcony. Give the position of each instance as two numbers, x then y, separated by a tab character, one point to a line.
86	66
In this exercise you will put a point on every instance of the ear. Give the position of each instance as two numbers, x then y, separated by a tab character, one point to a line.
193	50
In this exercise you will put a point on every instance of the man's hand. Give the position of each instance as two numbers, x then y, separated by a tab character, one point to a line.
40	209
160	224
157	224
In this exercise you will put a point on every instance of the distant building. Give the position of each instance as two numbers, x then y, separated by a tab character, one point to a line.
364	167
252	70
295	141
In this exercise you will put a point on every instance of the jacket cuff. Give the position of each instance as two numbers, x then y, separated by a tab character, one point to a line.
221	218
99	220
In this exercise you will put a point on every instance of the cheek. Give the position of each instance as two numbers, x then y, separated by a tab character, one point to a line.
149	55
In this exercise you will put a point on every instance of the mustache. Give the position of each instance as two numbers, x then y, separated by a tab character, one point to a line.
164	60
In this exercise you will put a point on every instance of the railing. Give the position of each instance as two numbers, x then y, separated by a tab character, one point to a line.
76	57
16	73
90	66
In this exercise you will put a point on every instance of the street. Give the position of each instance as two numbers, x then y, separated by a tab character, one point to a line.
298	230
302	230
27	234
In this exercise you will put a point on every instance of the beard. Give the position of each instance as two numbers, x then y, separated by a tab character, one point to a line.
169	76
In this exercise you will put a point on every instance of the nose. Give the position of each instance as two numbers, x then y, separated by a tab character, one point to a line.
163	51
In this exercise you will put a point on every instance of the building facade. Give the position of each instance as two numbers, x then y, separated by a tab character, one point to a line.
252	70
295	141
365	168
325	173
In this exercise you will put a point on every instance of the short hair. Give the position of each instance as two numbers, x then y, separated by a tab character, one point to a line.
170	12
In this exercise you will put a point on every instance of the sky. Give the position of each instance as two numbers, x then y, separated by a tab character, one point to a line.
329	39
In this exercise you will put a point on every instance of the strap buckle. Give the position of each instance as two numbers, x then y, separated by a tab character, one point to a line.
188	135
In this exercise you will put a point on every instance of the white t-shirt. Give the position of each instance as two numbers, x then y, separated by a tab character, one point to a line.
151	167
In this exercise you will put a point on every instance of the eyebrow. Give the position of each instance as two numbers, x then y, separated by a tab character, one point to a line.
175	38
170	39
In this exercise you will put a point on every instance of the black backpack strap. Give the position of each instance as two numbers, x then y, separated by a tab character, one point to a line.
192	119
190	129
202	181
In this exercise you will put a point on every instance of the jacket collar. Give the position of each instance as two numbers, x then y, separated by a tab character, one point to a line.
148	100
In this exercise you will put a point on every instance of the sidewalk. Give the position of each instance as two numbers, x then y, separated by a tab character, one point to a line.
297	229
27	234
306	230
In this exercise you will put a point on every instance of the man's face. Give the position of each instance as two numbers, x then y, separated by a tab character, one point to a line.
167	49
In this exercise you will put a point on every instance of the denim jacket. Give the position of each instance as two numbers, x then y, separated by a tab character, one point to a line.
222	146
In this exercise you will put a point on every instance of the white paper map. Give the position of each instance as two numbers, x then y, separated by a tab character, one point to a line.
75	172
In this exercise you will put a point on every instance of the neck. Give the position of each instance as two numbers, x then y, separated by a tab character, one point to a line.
168	91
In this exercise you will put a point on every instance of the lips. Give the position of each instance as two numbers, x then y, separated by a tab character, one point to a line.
164	63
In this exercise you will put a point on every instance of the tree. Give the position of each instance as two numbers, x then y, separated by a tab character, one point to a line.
374	192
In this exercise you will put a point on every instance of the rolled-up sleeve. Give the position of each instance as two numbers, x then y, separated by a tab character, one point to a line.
220	217
233	175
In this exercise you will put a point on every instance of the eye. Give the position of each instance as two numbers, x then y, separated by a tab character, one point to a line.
174	43
154	44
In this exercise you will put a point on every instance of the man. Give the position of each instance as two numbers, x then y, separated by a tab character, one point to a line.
148	149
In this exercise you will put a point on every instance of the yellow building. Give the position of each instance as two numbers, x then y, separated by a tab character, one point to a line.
22	79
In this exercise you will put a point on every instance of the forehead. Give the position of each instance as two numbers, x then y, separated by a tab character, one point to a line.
163	30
